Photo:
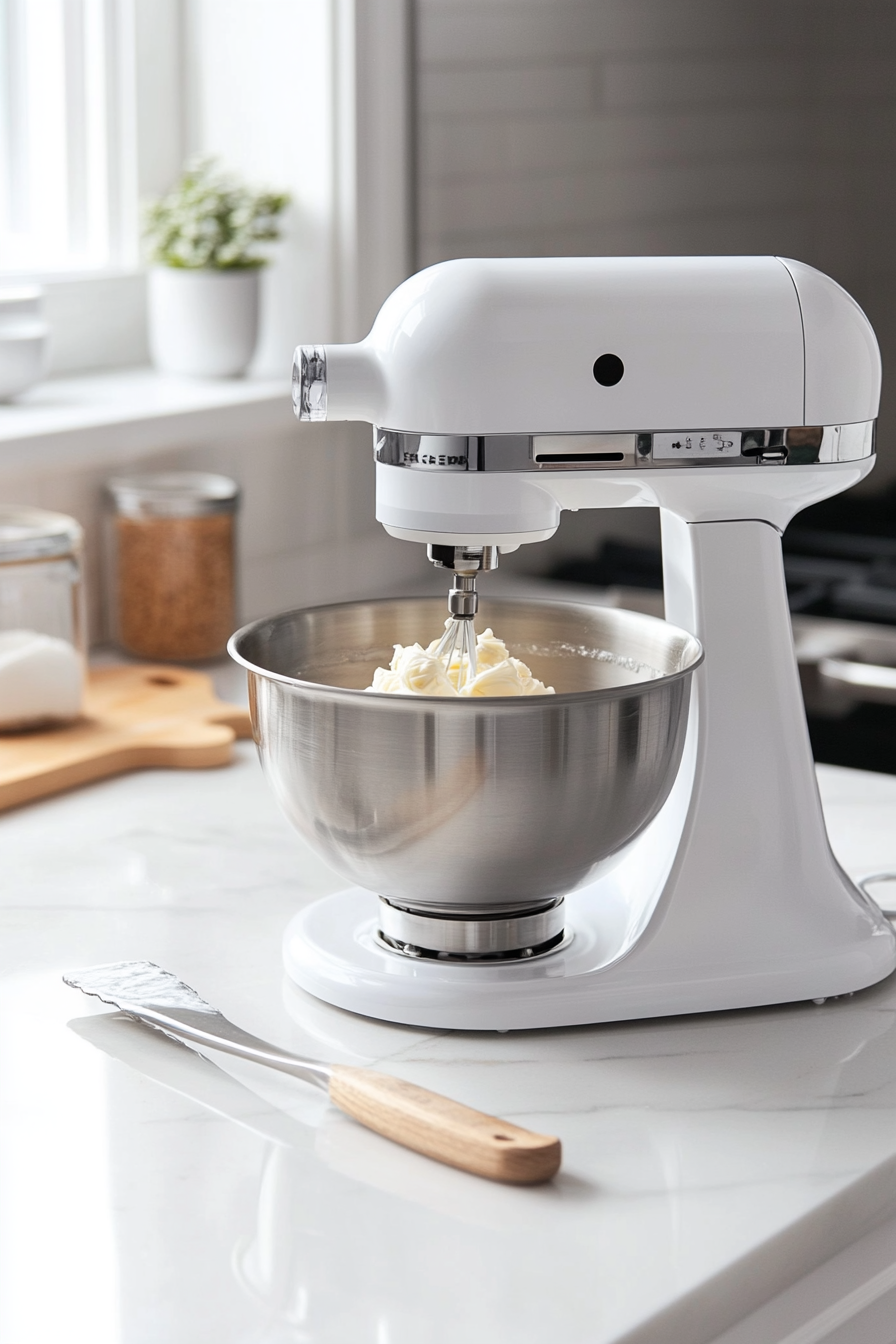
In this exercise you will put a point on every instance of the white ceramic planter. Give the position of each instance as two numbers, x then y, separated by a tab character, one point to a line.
202	323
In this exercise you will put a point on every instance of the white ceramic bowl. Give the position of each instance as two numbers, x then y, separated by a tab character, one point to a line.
23	362
23	339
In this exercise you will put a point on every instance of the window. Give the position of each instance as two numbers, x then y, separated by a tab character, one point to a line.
102	100
67	186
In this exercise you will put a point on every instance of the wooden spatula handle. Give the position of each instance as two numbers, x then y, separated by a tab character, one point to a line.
444	1129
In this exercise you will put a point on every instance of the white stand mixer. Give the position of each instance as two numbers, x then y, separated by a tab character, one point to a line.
730	393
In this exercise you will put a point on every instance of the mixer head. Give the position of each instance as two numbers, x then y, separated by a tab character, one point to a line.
504	391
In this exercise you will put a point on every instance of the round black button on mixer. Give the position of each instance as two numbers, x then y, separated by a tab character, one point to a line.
608	370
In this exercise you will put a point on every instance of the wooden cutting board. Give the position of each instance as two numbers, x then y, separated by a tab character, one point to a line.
134	716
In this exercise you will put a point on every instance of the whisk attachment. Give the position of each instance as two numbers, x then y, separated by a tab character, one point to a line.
457	647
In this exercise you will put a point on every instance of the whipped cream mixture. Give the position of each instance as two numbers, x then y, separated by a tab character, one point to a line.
417	671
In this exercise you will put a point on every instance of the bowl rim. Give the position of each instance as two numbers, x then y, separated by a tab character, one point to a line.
508	701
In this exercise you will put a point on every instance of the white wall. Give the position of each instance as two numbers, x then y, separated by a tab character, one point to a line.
311	97
259	95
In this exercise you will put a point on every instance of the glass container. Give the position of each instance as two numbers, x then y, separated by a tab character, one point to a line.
42	618
172	564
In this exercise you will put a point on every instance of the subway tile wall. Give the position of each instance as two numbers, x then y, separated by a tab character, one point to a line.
620	127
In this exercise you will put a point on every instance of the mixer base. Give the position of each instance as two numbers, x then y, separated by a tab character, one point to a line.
596	974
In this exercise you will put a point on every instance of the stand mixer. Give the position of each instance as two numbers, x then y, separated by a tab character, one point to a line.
729	393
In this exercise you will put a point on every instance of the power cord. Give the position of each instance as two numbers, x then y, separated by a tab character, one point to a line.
865	882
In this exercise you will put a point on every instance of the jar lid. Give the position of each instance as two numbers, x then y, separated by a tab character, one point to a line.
34	534
173	494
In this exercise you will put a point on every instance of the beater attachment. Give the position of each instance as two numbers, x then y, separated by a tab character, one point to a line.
457	647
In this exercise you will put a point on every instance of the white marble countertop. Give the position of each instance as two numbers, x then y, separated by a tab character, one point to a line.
149	1195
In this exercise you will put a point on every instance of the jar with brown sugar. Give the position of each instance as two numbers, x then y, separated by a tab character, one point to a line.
172	563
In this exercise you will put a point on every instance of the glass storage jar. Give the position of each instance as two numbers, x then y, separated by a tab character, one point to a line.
42	618
171	579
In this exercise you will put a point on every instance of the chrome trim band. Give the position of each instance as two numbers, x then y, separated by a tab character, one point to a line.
794	446
448	936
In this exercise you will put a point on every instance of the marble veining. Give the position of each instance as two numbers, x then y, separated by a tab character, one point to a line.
150	1194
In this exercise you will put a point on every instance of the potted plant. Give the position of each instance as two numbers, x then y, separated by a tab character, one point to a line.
206	238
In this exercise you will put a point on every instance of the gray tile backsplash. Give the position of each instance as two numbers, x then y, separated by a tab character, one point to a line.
666	126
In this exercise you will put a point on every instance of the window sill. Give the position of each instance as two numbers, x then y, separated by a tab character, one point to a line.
111	417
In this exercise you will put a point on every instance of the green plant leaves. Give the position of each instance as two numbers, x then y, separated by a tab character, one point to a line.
210	220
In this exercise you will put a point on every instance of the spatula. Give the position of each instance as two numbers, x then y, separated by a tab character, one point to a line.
411	1115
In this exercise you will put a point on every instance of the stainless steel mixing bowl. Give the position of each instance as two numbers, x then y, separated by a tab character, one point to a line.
471	808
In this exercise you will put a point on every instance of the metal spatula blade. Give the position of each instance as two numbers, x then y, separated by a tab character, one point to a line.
138	982
155	996
410	1115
